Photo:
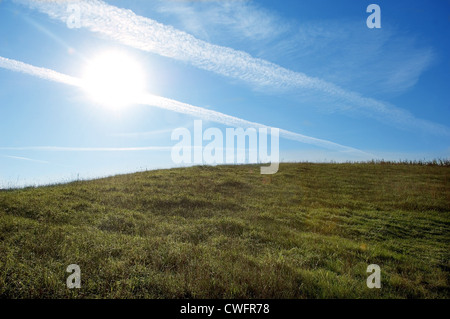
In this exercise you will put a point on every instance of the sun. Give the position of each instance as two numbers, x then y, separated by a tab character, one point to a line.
114	79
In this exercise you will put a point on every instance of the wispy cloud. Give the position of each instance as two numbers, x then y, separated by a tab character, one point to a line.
244	20
148	35
165	103
351	57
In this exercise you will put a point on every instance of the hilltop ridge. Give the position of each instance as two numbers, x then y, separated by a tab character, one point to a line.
308	231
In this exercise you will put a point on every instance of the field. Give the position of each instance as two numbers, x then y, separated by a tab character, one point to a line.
309	231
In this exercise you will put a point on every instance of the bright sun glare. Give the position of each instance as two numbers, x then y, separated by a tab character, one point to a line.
114	79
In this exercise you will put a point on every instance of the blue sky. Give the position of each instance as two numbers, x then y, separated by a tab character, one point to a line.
307	67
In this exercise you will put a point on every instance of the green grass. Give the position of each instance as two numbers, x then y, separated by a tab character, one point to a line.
309	231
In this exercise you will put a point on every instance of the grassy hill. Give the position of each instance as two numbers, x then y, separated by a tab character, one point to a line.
309	231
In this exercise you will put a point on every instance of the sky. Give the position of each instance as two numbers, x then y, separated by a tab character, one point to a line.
337	89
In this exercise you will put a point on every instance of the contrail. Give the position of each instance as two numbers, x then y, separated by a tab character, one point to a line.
125	27
25	159
218	117
142	134
173	105
86	149
42	73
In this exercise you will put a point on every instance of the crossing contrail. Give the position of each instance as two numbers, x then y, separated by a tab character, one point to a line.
126	27
176	106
